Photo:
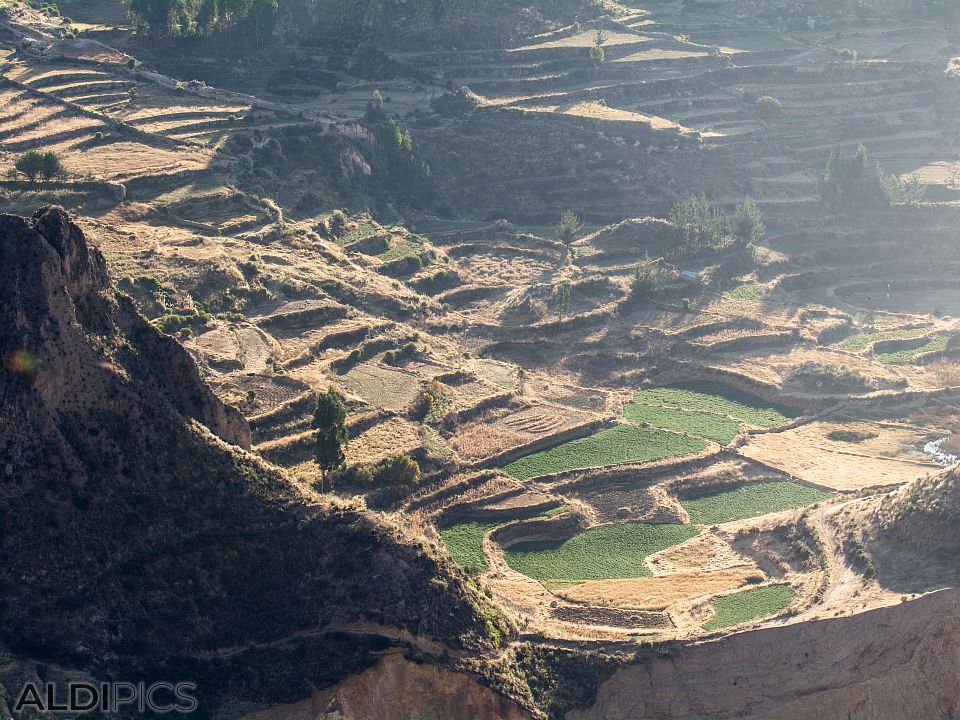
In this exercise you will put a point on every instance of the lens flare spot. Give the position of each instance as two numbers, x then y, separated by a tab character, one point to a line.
20	362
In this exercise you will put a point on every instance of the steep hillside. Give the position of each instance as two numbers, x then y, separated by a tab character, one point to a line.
134	527
925	513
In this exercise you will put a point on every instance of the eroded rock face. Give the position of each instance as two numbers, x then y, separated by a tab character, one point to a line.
67	335
895	663
399	689
135	533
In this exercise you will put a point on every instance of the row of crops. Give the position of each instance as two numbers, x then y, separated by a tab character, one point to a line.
677	421
748	605
923	343
619	444
665	422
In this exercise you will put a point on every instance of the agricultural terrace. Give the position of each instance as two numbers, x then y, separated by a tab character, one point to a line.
602	553
742	607
619	444
863	341
709	426
748	291
750	501
719	399
463	538
937	344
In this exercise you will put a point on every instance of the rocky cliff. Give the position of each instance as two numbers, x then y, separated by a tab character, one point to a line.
137	535
895	663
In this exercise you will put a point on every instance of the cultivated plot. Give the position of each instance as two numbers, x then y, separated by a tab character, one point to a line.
619	444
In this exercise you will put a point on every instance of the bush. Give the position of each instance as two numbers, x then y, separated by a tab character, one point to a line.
645	282
768	106
397	470
355	475
429	404
569	228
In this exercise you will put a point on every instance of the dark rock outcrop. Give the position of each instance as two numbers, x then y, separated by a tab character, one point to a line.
133	529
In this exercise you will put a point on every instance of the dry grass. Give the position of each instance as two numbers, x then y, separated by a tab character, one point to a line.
586	40
599	111
946	371
808	453
480	440
658	593
390	437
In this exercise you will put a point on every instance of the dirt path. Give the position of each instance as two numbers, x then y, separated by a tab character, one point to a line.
845	582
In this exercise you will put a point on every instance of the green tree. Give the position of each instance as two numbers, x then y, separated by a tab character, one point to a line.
561	299
40	165
30	164
51	166
331	435
569	228
748	225
645	282
597	53
375	112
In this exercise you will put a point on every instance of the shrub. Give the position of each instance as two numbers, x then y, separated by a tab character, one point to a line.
397	470
597	53
355	475
30	164
768	106
645	282
748	227
569	227
848	55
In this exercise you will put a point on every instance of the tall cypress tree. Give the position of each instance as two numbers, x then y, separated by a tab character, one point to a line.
331	436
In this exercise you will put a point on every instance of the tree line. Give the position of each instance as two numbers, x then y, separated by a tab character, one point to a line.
245	20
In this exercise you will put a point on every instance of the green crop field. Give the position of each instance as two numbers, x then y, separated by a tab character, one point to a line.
602	553
619	444
908	354
861	341
463	538
750	501
718	428
720	399
750	605
748	291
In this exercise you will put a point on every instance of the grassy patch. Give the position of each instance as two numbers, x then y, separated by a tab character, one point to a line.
620	444
907	354
602	553
747	291
750	501
722	399
750	605
718	428
463	538
401	247
861	341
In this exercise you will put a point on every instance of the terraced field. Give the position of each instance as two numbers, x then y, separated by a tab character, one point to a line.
463	537
718	428
864	340
754	604
602	553
750	501
619	444
936	344
712	397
